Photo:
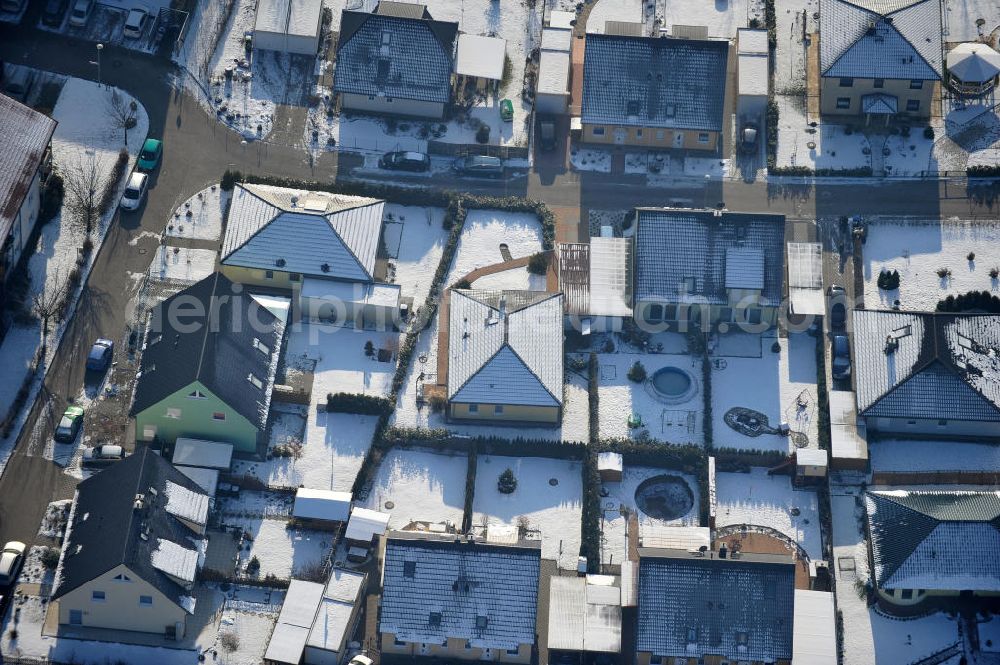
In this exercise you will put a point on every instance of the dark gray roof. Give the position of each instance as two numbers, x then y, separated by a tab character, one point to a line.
672	245
943	365
738	608
230	331
935	540
105	528
24	136
395	56
894	39
654	82
436	588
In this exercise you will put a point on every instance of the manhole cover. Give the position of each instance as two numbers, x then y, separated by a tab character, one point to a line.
389	505
553	481
796	512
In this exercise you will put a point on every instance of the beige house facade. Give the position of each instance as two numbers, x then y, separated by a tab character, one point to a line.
847	96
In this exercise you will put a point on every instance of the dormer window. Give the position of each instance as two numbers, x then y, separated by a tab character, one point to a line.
410	569
197	394
434	619
261	346
257	383
692	635
386	38
482	621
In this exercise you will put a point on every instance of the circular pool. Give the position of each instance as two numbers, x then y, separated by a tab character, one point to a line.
664	497
672	384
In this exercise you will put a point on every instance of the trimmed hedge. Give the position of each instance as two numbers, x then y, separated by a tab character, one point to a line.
706	407
822	398
738	460
590	523
771	125
859	172
593	369
367	405
983	170
983	301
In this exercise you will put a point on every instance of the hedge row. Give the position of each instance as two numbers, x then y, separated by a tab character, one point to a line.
983	170
590	520
706	396
593	370
982	301
740	460
858	172
368	405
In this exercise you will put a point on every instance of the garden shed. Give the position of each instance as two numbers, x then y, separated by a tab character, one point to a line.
288	26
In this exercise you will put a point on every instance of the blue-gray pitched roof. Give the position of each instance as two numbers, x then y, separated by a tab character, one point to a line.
935	540
395	56
941	367
673	245
654	82
436	588
898	39
741	608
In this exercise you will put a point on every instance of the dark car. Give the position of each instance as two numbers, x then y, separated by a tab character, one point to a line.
479	165
100	355
547	135
838	307
53	13
405	161
841	363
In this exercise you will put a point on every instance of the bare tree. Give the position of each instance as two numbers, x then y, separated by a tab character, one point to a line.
121	112
84	184
48	302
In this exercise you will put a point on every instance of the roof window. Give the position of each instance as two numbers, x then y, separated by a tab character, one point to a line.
410	569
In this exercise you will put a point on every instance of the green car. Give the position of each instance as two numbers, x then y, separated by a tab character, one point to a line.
506	110
149	158
70	424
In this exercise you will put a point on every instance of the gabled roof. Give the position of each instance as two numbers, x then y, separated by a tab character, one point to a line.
436	588
674	245
935	540
333	236
505	347
739	608
654	82
893	39
24	135
214	333
944	366
395	56
105	527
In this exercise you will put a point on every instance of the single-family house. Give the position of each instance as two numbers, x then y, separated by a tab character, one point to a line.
505	356
933	544
928	374
698	267
397	60
288	26
714	608
457	598
133	546
879	59
25	160
654	92
596	280
208	365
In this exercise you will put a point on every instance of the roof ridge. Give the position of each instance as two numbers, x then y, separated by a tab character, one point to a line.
208	326
347	246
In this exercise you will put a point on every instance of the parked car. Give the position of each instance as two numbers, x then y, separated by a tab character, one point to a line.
149	157
53	13
748	138
100	355
135	191
18	82
80	14
405	161
10	563
105	453
134	24
361	659
70	424
547	135
838	307
479	165
11	5
841	363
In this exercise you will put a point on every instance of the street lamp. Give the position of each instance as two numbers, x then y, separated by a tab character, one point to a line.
100	47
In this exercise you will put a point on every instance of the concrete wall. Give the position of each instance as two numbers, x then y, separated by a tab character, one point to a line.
649	137
454	649
392	106
285	43
120	609
196	420
933	427
830	91
511	413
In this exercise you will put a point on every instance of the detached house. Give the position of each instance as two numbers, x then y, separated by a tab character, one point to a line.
134	543
656	92
398	61
928	374
707	267
926	544
455	598
208	365
505	356
879	59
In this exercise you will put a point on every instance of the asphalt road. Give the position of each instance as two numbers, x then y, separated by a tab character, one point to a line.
198	149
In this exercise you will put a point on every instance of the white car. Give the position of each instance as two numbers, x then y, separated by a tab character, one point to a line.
361	659
80	14
134	23
10	562
135	191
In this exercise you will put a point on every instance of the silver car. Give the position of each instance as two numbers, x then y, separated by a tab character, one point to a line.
135	191
10	563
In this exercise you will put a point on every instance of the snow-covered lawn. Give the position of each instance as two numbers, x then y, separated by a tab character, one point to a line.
613	10
620	398
281	551
515	278
790	52
721	18
483	233
34	571
918	250
621	501
205	221
585	159
54	520
414	241
826	146
253	632
960	18
415	485
909	640
341	365
923	455
756	498
182	264
555	510
850	564
783	389
989	634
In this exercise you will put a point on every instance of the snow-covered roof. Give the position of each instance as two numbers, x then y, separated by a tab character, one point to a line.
435	588
973	62
289	17
365	524
935	540
609	461
186	504
333	620
814	638
505	347
206	479
927	365
326	235
810	457
24	136
298	612
561	19
892	39
199	452
583	615
480	57
751	62
322	505
673	537
751	40
744	268
848	436
356	293
553	73
805	278
557	39
175	560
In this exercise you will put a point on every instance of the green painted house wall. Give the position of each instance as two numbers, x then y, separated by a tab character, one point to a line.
180	415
